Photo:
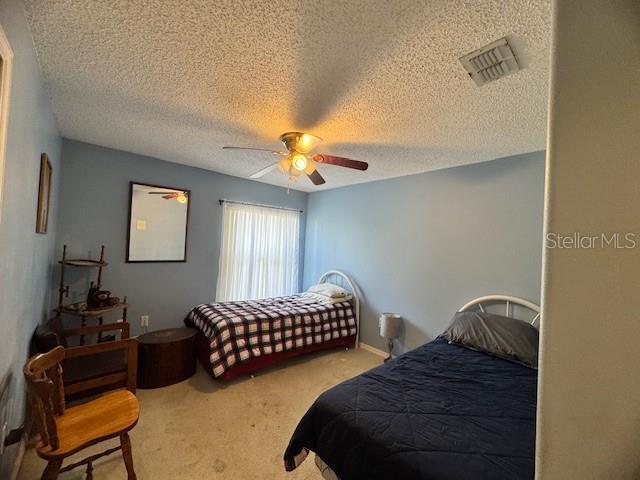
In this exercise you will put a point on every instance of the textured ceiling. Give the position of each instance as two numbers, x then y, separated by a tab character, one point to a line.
379	80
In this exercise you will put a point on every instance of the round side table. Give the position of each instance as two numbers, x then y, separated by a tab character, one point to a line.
166	357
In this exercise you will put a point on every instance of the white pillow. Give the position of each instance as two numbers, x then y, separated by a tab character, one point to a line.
328	290
317	298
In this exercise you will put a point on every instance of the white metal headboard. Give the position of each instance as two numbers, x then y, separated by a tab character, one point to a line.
342	280
508	300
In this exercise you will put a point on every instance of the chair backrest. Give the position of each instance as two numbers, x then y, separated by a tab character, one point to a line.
43	374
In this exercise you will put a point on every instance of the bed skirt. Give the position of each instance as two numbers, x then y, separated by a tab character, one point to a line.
203	350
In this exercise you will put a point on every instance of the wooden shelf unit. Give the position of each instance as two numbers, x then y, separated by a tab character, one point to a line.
91	312
74	309
83	262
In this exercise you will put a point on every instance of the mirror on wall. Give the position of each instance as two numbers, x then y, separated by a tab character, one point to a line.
158	223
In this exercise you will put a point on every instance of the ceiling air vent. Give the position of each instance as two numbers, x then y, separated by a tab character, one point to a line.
490	62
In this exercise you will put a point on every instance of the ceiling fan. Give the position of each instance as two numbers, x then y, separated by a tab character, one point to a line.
298	159
179	196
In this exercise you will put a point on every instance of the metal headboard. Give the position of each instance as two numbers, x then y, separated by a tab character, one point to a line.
341	279
508	300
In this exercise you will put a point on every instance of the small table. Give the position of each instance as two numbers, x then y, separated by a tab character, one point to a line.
166	357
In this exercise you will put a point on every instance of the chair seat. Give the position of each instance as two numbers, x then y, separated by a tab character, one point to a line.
83	425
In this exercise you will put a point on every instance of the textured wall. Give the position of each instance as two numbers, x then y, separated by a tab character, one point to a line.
423	245
25	256
589	387
94	205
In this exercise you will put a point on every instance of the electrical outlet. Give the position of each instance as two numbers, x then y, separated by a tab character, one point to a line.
144	320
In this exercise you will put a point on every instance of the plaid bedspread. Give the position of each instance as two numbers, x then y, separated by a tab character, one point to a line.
242	330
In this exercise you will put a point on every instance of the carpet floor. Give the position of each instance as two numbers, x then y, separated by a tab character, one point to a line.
202	429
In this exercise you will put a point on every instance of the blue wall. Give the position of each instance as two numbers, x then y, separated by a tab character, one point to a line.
94	205
419	245
423	245
25	256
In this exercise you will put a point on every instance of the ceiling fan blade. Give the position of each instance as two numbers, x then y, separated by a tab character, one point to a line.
170	196
255	149
341	161
316	178
264	171
162	193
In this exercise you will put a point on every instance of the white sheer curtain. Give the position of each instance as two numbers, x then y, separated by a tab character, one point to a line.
259	253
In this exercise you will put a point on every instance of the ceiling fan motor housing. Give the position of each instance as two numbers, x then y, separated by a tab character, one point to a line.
291	140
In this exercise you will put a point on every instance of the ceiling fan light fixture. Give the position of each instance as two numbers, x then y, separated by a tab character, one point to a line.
284	165
299	161
181	197
294	172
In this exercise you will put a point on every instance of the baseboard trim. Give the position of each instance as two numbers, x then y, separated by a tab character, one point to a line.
374	350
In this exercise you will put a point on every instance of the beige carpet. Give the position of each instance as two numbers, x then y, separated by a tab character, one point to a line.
201	429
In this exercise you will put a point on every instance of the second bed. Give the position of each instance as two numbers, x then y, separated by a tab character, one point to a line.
442	411
238	338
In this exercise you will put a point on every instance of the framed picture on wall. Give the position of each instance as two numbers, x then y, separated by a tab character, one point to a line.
6	62
44	194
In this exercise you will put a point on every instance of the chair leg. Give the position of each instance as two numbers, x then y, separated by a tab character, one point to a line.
128	457
52	469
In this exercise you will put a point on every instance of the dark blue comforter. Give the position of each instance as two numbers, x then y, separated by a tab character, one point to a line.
438	412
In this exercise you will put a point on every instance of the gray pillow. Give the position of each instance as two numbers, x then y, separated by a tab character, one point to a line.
503	337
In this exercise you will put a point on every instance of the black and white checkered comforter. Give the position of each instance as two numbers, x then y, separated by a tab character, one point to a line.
242	330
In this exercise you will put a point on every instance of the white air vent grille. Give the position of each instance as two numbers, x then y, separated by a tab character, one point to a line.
491	62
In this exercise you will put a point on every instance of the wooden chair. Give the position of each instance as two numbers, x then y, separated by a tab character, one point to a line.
92	368
65	431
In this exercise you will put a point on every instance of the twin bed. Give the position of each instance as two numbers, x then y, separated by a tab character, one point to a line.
239	338
442	411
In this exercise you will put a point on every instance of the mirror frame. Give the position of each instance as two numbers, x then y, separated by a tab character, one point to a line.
186	226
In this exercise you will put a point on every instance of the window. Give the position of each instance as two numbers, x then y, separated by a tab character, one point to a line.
6	60
259	254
